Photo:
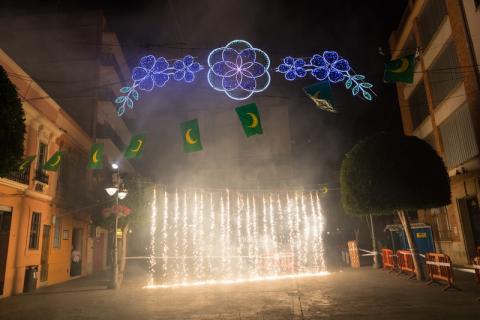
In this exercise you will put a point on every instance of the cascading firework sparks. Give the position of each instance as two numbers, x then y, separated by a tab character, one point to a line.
207	236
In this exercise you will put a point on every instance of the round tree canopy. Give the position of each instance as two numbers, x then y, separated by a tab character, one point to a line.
388	172
12	126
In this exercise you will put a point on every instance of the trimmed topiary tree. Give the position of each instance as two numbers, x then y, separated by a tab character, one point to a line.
12	125
388	173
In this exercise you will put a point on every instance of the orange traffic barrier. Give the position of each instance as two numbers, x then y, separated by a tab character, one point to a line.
405	262
439	267
388	259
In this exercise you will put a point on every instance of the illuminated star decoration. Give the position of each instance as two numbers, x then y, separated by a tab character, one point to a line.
238	69
155	72
327	66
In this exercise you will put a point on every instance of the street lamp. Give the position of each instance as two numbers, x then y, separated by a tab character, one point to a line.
120	194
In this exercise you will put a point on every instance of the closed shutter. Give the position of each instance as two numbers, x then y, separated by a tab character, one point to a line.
458	138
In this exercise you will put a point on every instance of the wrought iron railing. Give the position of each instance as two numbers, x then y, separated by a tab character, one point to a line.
22	177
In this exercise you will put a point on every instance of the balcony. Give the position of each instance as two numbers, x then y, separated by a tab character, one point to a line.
21	177
41	176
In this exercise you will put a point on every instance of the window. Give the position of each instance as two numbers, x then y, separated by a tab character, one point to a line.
458	138
430	19
444	73
42	155
418	104
34	230
57	233
441	224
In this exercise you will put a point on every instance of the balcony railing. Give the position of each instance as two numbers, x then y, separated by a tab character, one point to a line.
18	176
41	176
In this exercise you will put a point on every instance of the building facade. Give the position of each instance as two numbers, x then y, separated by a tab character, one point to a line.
442	106
42	225
81	66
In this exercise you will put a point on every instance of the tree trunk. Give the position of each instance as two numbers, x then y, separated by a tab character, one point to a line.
413	248
376	263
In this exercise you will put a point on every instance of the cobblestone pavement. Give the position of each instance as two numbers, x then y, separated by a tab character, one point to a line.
351	294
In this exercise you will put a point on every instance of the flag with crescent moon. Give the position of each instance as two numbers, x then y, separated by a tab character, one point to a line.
191	136
321	94
135	147
95	161
54	162
250	119
400	70
26	163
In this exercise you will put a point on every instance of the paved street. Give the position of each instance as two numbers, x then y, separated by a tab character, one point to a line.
351	294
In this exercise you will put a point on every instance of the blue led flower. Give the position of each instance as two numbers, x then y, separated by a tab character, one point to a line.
328	66
150	73
185	69
292	68
321	67
155	72
238	69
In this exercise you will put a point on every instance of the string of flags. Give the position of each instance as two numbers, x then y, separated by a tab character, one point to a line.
248	115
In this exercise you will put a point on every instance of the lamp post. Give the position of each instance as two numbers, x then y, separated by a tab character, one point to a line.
119	194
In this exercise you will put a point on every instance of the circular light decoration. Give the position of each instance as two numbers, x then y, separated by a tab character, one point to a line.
238	69
155	72
328	66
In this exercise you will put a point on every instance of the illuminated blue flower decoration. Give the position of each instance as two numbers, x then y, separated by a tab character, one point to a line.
238	69
327	66
153	72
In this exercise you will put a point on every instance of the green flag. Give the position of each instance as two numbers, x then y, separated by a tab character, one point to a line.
321	94
400	70
191	136
135	147
250	119
54	162
95	161
26	163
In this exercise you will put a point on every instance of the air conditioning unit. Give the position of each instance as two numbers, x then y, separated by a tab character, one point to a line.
40	187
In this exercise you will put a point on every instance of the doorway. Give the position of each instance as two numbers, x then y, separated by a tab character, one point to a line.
45	251
76	259
474	213
5	222
98	253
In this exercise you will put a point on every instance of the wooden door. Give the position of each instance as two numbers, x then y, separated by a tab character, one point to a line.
45	251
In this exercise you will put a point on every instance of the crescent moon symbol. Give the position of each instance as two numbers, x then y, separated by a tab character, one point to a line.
140	142
58	160
188	138
94	157
254	123
321	103
403	66
22	166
